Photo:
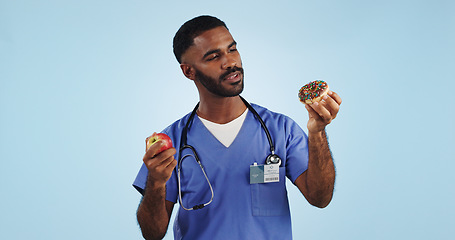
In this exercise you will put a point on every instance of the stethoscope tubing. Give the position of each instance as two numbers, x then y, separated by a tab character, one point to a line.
184	145
199	206
183	138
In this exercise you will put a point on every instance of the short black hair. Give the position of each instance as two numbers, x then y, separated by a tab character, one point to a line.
184	37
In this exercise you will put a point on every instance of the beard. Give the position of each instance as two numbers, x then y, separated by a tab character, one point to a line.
215	85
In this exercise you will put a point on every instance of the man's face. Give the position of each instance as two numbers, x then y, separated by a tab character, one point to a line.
216	87
216	63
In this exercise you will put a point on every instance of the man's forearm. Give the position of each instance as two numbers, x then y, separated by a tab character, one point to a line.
321	170
152	215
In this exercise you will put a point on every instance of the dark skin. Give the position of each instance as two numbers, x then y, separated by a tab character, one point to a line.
154	211
213	53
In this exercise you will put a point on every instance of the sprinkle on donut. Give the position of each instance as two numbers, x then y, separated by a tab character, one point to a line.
313	91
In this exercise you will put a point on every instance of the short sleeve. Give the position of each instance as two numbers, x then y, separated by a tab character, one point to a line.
296	150
171	185
141	179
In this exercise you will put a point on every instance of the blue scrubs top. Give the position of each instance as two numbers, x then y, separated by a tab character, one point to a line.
239	210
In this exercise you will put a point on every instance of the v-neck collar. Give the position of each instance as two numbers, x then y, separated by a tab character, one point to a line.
206	132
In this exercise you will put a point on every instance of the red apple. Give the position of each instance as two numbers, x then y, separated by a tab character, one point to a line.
156	137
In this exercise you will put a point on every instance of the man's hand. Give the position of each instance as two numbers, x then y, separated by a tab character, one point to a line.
323	112
160	166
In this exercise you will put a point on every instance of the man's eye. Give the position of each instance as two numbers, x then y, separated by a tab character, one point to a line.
213	57
233	49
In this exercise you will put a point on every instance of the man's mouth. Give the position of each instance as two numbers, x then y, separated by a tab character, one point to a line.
233	77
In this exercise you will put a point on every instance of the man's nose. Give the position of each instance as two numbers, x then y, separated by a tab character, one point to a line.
229	62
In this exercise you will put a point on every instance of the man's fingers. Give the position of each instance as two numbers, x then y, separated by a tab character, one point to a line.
335	97
153	149
166	166
170	163
151	159
311	112
331	105
160	167
323	113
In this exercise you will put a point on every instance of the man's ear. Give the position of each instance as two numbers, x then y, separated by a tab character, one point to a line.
188	71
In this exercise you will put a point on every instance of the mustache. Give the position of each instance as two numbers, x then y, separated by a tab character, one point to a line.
229	71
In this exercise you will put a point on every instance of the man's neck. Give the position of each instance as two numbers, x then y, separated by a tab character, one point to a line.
221	109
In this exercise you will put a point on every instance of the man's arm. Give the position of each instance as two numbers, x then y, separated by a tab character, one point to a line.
317	182
151	217
154	211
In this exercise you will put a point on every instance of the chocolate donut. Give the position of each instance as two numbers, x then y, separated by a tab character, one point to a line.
313	92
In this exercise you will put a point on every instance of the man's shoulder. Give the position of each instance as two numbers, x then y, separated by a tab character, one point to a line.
265	112
178	124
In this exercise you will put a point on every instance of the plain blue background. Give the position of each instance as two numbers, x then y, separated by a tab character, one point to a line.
83	83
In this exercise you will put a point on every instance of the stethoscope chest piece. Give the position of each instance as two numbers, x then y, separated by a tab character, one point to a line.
273	159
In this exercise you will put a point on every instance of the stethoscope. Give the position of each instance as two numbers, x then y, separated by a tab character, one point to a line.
272	158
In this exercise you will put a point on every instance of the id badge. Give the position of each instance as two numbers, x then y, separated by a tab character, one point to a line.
264	173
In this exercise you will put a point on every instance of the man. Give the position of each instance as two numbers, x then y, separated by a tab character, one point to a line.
218	200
